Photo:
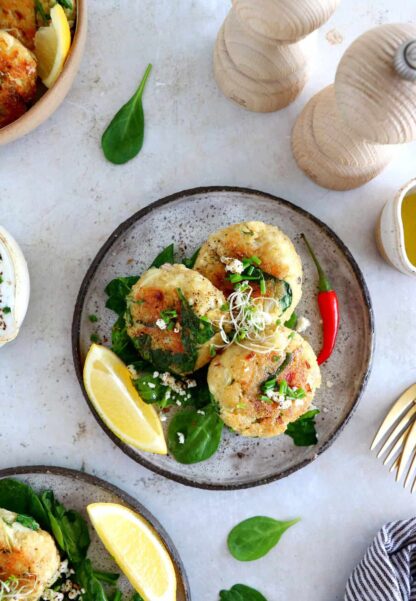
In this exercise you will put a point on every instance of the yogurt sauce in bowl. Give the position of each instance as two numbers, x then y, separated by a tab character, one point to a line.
14	287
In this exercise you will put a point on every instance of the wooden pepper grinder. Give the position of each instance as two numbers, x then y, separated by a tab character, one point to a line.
262	53
347	133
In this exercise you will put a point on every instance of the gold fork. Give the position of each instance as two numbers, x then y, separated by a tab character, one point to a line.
399	431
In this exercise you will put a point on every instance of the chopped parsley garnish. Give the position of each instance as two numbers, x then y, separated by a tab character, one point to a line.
6	310
95	338
169	316
93	318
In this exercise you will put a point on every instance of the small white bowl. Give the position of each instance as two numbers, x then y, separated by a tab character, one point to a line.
390	232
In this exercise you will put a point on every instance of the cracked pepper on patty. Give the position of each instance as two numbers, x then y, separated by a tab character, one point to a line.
259	394
172	318
223	254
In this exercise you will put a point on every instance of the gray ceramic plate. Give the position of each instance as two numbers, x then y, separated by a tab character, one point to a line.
76	490
186	219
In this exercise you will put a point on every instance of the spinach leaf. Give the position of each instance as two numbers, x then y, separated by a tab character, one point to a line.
190	263
90	581
162	359
152	390
27	521
68	527
195	330
241	592
166	256
255	537
117	291
121	343
194	436
303	431
123	138
292	322
20	498
283	292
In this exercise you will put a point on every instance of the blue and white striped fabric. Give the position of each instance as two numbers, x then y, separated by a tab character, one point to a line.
388	570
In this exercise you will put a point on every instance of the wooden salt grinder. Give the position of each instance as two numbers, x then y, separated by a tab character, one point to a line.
262	53
347	133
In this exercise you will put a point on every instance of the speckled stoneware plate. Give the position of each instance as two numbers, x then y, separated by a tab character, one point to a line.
187	218
76	490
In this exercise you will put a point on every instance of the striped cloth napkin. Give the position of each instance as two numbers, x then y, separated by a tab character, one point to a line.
388	570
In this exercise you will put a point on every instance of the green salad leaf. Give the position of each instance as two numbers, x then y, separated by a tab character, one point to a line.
68	527
255	537
167	255
190	263
303	430
195	435
20	498
93	582
117	291
152	389
123	138
241	592
27	521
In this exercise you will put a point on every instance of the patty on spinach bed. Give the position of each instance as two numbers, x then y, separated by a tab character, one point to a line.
172	318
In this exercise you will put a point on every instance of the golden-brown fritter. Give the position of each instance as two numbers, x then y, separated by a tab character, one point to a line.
278	259
177	346
18	18
28	556
17	78
235	379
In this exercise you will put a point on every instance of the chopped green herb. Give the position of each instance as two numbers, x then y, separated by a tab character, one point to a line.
225	307
212	350
6	310
1	279
27	521
292	321
66	4
95	338
41	11
93	318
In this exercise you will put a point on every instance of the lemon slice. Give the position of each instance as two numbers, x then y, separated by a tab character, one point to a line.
52	45
137	549
110	389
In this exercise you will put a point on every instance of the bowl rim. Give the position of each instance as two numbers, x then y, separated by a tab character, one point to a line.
398	202
130	501
76	328
21	126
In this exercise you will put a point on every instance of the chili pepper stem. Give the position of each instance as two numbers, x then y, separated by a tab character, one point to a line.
324	284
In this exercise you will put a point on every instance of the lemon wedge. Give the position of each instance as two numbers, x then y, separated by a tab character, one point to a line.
110	389
137	550
52	45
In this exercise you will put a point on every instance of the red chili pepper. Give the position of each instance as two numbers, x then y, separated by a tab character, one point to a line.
328	307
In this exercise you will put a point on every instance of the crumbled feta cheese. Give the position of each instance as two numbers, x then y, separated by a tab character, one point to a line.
134	375
201	412
155	374
190	383
151	385
163	418
303	324
286	404
177	328
325	409
329	384
161	324
232	265
181	437
178	403
299	402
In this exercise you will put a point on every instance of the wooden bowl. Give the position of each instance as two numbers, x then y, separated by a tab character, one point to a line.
50	101
390	232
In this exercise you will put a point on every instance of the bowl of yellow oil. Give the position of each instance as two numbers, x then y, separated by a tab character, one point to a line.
396	230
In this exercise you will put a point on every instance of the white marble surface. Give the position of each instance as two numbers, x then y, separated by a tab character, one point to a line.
61	200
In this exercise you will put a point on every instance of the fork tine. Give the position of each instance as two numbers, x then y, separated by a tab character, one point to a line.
410	473
399	406
395	464
409	447
397	430
397	445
